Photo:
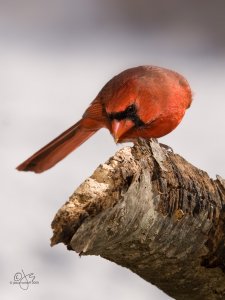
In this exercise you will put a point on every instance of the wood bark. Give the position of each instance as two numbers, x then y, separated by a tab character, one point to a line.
151	211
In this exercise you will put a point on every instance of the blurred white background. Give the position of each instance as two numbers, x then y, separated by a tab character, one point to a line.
55	56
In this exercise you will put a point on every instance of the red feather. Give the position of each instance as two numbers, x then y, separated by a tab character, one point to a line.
56	150
145	102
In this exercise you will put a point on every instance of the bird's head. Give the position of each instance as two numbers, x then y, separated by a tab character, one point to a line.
122	110
123	118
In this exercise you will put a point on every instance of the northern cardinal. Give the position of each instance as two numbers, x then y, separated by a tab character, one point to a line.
146	101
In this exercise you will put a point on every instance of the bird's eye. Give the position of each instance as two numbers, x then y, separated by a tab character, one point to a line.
111	117
131	108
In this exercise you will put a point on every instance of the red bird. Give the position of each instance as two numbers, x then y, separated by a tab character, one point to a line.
146	101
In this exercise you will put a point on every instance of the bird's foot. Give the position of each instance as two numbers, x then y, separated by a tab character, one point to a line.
168	148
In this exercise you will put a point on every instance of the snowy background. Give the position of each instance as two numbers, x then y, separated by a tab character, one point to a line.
55	56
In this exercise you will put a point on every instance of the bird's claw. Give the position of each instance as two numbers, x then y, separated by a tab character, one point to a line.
168	148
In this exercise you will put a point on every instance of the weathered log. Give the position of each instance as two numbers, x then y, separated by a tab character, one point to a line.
151	211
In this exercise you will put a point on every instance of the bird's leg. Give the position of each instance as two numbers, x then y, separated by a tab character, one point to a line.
168	148
141	140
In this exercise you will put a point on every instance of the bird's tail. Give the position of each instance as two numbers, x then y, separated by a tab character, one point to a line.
56	150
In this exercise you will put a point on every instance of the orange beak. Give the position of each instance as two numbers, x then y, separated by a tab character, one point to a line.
119	128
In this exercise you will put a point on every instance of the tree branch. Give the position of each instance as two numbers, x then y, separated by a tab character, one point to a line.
151	211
